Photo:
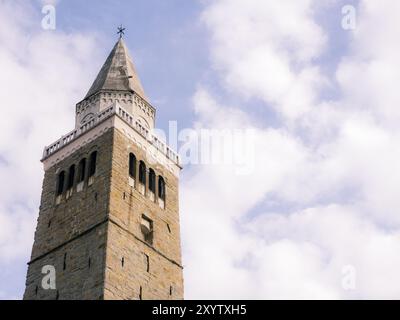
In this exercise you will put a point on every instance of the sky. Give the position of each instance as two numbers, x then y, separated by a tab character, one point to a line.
308	206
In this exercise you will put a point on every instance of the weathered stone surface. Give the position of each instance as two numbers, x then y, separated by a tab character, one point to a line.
98	231
125	239
117	73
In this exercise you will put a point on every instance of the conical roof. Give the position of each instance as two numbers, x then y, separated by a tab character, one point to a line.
117	73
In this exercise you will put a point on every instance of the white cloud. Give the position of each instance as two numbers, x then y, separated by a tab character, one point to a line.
41	76
339	236
265	49
369	75
324	194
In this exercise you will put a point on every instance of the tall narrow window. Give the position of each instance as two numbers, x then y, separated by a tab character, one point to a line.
142	173
71	177
81	170
161	188
132	165
92	165
81	174
132	169
60	183
70	182
142	177
161	192
152	183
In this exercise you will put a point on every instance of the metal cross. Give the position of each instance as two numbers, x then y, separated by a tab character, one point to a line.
121	30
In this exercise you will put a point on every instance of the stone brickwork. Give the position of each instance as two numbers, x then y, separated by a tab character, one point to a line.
125	240
94	239
83	276
59	223
76	226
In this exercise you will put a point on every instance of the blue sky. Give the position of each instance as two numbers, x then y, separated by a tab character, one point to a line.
168	45
166	41
322	103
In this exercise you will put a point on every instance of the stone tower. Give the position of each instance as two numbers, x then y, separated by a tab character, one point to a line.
109	216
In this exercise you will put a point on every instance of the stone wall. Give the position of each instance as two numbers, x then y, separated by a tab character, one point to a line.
79	277
127	277
76	227
97	231
125	240
57	223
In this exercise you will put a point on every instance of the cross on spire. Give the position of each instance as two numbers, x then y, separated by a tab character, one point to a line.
121	30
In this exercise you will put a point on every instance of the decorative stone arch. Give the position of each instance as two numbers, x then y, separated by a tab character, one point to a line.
143	122
87	118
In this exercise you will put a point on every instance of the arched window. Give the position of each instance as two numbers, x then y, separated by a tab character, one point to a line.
152	181
142	173
161	188
81	170
71	177
92	164
132	165
60	183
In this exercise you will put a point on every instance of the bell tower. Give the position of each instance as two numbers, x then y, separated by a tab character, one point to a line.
108	225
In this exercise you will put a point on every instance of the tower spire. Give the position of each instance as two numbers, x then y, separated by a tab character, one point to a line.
118	73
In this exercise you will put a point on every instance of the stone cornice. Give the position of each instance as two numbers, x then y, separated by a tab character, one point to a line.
96	126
